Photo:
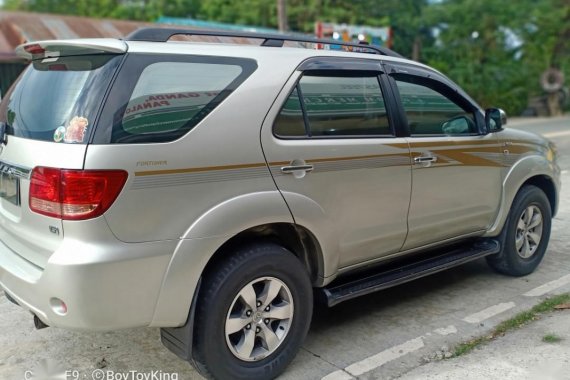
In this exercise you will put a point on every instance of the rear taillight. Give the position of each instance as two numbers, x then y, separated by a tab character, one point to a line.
74	194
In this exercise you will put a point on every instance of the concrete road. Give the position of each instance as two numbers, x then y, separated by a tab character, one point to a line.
520	355
380	336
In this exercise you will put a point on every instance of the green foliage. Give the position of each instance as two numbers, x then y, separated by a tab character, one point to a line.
145	10
473	49
551	338
245	12
302	14
547	33
467	347
478	46
95	8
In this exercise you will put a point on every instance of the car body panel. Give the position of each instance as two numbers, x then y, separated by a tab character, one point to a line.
526	155
188	177
358	191
35	237
194	250
106	284
456	195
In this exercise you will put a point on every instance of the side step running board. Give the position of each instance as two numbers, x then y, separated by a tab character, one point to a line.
340	292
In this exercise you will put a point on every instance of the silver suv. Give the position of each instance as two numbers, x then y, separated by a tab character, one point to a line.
214	189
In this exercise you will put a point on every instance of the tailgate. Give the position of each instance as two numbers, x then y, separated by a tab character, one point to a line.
31	235
46	119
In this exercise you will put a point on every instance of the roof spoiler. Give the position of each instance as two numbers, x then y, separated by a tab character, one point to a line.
59	48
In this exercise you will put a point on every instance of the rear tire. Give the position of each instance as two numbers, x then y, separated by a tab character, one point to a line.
526	233
253	313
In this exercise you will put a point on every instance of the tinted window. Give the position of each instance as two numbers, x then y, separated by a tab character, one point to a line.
289	122
172	95
161	97
344	106
431	113
334	106
57	99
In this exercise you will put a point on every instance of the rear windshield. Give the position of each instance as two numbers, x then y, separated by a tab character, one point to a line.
58	99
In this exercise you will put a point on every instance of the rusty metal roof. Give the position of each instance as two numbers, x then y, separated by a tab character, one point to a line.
20	27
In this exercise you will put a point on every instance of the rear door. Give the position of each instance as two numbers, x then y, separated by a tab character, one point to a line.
456	164
330	142
46	118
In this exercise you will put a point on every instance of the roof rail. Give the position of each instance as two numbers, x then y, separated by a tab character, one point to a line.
271	40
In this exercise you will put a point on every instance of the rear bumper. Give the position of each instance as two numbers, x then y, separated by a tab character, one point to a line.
105	286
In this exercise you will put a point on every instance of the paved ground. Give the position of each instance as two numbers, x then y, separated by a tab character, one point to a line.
520	355
384	335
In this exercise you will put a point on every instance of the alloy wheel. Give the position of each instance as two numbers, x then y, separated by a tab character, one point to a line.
529	232
259	319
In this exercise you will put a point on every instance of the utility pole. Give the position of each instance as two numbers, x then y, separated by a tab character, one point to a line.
282	15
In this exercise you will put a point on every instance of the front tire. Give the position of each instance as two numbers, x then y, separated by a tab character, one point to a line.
253	314
525	235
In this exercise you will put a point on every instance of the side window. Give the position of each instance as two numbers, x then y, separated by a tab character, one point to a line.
290	122
429	112
336	106
161	97
171	95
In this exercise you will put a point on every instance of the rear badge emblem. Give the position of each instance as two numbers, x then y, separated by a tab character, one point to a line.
59	134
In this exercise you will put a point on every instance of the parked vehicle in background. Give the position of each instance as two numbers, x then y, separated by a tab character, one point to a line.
213	189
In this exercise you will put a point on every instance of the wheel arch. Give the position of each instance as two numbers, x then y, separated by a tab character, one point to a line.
546	184
240	220
297	239
531	170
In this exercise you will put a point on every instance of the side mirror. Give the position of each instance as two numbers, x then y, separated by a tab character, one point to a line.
495	119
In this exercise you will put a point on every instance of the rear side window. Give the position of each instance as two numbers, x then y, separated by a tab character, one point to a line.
171	95
329	106
160	99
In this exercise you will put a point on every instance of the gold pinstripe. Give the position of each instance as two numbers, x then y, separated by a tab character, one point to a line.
205	169
460	155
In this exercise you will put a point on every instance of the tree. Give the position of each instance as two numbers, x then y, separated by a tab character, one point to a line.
145	10
282	15
476	47
94	8
547	44
497	50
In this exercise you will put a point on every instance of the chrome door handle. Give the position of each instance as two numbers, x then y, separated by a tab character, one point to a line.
297	168
425	159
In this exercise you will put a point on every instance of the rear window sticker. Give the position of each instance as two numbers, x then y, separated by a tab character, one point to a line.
76	129
59	134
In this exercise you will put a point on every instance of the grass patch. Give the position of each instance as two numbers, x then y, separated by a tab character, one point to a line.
551	338
466	347
515	322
